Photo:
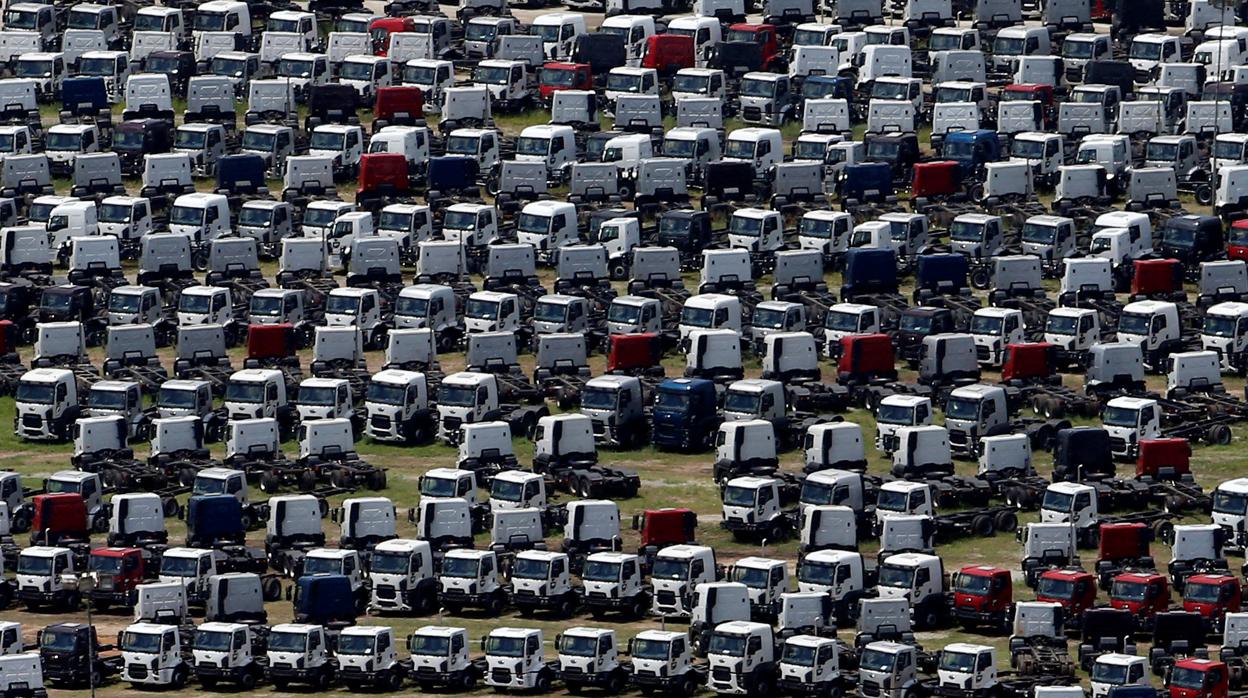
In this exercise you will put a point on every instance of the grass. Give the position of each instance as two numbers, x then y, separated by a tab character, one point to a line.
675	480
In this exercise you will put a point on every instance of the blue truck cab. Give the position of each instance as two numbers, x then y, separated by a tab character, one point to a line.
84	96
213	520
972	149
828	87
686	414
869	270
324	599
867	181
243	173
941	274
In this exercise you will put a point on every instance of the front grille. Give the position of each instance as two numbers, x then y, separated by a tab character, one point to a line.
1117	443
720	673
381	421
385	592
206	665
981	352
599	428
451	423
957	437
137	671
752	114
500	676
574	670
1074	74
31	420
870	688
666	597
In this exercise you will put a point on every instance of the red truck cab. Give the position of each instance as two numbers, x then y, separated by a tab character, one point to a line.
762	34
1237	240
1145	594
1213	596
1198	678
1156	278
661	528
866	357
555	77
59	518
383	174
635	354
983	595
398	104
118	573
1074	590
1164	459
1029	363
1122	546
381	28
668	53
935	179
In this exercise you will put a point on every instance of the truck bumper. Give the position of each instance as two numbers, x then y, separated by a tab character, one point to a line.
112	597
594	600
388	598
460	598
803	688
739	526
356	675
968	614
28	595
531	600
212	671
582	678
653	681
289	673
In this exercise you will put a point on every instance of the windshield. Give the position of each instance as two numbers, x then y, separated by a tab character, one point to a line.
649	649
34	69
1061	324
321	565
1164	152
481	309
526	568
171	566
117	213
326	140
892	500
741	149
22	20
506	490
1042	234
973	584
209	21
667	568
621	312
758	88
617	82
669	400
986	324
810	37
1228	150
141	643
679	148
876	660
1129	591
270	306
533	223
957	662
816	227
456	396
693	84
434	486
287	642
295	68
194	303
1077	49
749	227
878	149
55	641
753	577
1008	46
504	646
1119	416
1229	502
212	640
324	396
811	150
769	318
1187	677
894	414
816	572
953	94
961	407
798	655
462	145
896	576
730	645
737	401
191	140
1027	149
696	317
460	567
317	216
228	67
32	565
1134	323
256	140
549	312
1178	237
1145	51
64	141
530	145
492	75
478	31
418	75
209	486
578	645
103	67
355	644
739	496
382	393
890	90
1054	588
1115	674
1202	592
162	64
107	399
430	645
39	393
236	391
558	77
341	304
599	571
1055	500
597	399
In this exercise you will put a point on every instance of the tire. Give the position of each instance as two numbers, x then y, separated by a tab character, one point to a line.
322	681
495	605
280	684
1218	434
210	682
393	681
689	686
1005	521
269	483
542	684
179	678
247	520
307	480
247	681
982	526
467	682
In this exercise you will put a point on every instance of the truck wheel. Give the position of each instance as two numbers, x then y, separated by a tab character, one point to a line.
186	476
246	681
689	686
307	480
930	618
542	684
179	678
615	684
982	525
322	681
1005	521
247	520
377	480
271	588
269	483
567	608
573	687
495	605
393	681
1218	434
467	682
280	684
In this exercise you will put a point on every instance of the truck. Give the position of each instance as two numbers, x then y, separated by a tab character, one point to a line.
439	657
514	660
591	657
299	653
663	660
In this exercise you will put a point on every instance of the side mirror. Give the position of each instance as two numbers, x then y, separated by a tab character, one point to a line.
290	592
636	521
